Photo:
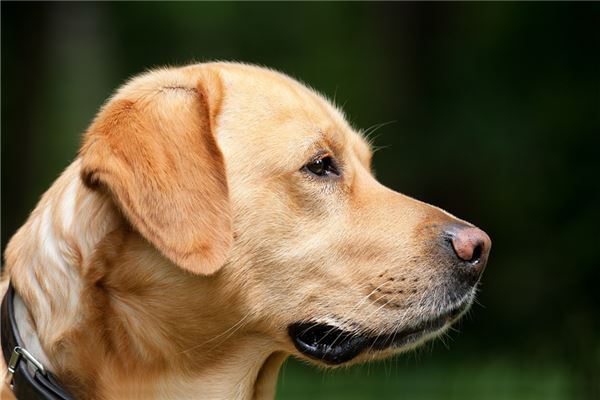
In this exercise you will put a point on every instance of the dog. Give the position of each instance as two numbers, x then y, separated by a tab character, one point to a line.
218	218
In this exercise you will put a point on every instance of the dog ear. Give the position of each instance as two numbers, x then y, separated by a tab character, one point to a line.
154	151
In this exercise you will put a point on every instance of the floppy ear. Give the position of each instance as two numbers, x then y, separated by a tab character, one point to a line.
154	150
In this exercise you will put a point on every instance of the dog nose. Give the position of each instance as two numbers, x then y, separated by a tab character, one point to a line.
471	246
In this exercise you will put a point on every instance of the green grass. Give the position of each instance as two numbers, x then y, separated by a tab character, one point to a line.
407	378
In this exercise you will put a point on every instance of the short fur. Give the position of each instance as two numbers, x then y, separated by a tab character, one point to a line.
169	258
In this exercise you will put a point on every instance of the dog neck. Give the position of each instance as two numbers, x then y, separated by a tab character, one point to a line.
116	319
46	258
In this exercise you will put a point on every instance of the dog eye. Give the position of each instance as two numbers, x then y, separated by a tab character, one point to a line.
322	167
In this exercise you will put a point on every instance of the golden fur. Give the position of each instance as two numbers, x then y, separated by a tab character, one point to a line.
171	255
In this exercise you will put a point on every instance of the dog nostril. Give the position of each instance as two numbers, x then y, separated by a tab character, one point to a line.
476	254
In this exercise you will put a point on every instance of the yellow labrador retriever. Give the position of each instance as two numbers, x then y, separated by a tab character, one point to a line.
220	217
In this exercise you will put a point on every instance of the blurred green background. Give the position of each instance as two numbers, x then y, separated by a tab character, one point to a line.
496	118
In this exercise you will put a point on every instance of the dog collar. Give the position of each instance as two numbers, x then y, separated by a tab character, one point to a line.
28	380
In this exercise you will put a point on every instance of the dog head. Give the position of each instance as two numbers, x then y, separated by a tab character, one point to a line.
242	172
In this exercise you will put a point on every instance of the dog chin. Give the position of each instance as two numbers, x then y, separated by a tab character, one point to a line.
332	345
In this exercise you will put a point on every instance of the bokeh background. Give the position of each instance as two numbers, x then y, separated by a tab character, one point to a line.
493	113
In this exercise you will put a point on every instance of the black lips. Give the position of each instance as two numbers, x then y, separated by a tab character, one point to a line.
326	343
334	346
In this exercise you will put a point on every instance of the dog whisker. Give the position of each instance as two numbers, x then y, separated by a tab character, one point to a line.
231	330
367	133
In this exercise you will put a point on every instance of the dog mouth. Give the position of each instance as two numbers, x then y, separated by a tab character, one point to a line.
333	346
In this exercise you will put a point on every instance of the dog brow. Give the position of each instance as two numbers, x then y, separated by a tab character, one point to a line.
330	138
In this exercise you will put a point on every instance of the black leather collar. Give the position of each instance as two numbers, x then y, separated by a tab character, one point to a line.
26	385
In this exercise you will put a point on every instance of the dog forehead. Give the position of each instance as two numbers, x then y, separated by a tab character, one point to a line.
277	119
263	94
